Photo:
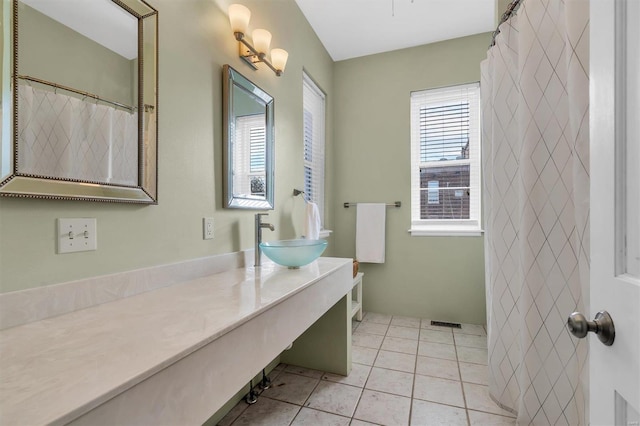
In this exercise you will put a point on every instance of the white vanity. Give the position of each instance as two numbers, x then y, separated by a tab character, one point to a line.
178	353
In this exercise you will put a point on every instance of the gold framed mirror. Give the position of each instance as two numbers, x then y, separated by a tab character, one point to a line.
81	121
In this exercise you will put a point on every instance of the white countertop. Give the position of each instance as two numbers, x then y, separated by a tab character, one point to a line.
59	368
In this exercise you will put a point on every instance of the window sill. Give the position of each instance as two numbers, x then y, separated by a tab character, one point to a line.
416	232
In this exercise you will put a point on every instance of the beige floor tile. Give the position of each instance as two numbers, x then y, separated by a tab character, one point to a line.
291	388
316	374
472	355
437	336
477	330
356	422
335	398
437	350
367	340
471	340
377	318
275	373
310	417
390	381
436	367
267	412
478	398
403	332
362	355
383	408
438	390
406	321
426	413
449	365
357	377
474	373
396	361
485	419
235	412
397	344
372	328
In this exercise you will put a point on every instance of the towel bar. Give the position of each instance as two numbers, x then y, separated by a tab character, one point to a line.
394	204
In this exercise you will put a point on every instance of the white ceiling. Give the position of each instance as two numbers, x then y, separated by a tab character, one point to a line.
353	28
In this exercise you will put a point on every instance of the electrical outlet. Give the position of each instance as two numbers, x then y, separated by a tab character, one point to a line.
77	234
207	228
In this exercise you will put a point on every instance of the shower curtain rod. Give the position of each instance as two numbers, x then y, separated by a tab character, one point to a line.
79	92
511	9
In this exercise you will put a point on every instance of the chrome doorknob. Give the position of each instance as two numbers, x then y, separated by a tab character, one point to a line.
602	325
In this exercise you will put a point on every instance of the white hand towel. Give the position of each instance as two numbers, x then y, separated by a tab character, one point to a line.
370	230
312	222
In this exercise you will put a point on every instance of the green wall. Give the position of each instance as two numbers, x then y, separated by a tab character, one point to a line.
430	277
195	41
367	153
54	52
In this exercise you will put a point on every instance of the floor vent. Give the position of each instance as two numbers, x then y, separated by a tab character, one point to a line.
446	324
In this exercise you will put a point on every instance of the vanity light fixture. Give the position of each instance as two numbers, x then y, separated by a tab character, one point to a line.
252	54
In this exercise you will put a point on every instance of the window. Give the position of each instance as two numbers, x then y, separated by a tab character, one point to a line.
445	161
313	102
249	161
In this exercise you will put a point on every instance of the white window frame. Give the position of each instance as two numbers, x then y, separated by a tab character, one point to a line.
447	227
314	102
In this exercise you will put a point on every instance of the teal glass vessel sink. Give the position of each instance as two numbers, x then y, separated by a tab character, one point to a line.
293	253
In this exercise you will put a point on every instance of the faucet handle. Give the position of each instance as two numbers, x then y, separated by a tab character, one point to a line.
262	214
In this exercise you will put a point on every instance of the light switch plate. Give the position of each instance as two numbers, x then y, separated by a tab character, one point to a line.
77	234
207	228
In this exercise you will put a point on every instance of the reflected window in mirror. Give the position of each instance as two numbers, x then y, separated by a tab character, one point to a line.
250	159
313	102
248	143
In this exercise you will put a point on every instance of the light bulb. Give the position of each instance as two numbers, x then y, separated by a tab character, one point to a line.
239	16
261	40
279	59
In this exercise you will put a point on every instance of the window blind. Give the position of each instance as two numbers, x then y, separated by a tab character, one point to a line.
250	157
258	155
313	102
445	159
444	132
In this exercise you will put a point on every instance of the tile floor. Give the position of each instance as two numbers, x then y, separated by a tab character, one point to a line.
405	372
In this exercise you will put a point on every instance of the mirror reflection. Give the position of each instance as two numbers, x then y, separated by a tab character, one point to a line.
64	131
248	141
84	86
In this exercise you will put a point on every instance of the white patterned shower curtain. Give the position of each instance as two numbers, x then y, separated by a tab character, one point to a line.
65	137
535	94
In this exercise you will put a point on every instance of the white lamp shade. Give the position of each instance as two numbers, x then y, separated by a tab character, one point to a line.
261	40
239	16
279	58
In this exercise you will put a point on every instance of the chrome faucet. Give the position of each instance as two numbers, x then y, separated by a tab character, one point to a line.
259	226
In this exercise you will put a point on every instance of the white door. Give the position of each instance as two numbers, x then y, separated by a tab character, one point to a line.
615	213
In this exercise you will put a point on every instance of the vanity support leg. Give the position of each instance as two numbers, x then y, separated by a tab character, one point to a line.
266	381
252	396
326	345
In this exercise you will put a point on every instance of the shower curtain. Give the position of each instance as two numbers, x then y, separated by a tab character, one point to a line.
535	94
66	137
